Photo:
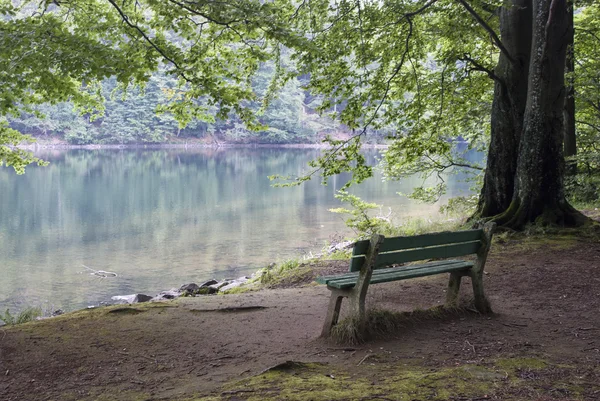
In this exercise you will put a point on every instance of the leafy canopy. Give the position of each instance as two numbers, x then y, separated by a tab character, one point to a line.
60	51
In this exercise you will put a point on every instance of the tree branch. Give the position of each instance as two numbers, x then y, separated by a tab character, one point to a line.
160	51
479	67
593	126
489	29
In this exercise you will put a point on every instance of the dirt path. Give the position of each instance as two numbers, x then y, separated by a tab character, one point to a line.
547	304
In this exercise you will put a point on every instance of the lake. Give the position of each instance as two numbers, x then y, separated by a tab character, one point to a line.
162	218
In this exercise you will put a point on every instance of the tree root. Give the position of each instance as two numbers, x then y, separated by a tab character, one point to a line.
560	214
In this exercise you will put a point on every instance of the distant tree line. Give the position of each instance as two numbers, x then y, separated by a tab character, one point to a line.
141	115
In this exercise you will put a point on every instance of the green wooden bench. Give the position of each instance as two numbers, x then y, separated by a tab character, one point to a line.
371	261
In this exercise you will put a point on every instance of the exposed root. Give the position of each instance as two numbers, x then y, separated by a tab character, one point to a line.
520	214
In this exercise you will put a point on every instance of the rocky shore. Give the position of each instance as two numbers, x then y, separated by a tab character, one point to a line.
209	287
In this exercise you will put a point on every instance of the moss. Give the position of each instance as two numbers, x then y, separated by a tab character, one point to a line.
240	290
508	378
534	240
318	382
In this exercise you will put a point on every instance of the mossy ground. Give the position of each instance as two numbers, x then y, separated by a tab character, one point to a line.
508	378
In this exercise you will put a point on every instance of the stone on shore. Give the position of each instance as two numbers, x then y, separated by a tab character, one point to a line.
131	299
208	283
231	284
191	287
171	294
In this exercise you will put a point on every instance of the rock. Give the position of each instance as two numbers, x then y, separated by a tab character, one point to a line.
171	294
220	284
131	299
142	298
208	283
235	283
58	312
200	291
189	287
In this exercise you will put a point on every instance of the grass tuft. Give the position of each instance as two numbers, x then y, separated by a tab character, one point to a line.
378	322
27	315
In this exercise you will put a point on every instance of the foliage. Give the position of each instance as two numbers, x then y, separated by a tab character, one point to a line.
399	65
27	315
10	155
584	187
460	206
360	221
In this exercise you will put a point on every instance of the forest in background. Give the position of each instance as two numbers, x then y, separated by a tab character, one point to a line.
138	116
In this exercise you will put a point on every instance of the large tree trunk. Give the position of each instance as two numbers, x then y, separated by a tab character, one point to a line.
508	108
539	193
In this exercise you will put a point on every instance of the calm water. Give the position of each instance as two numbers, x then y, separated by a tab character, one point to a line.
161	218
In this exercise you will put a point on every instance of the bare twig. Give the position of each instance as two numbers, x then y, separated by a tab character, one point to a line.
471	345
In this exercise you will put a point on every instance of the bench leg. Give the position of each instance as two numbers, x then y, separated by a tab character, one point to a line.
453	289
481	302
333	311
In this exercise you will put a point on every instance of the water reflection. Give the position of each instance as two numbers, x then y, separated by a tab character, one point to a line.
160	218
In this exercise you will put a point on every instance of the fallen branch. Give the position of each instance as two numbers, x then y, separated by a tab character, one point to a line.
364	359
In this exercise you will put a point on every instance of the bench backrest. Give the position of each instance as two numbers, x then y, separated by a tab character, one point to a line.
395	250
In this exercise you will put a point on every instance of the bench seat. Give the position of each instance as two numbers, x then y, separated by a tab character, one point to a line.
348	280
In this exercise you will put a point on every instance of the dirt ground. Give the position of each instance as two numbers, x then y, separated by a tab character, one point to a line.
545	295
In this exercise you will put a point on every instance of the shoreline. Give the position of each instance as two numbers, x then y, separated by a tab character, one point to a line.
55	145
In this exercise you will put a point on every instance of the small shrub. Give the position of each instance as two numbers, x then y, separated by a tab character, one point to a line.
361	220
271	273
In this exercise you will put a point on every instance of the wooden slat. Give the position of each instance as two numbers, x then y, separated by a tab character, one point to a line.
421	272
354	275
393	244
403	274
426	240
381	272
360	248
435	252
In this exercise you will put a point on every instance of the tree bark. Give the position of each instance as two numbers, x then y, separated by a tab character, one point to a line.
539	192
508	108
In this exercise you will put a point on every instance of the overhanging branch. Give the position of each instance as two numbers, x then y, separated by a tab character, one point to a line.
160	51
488	28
